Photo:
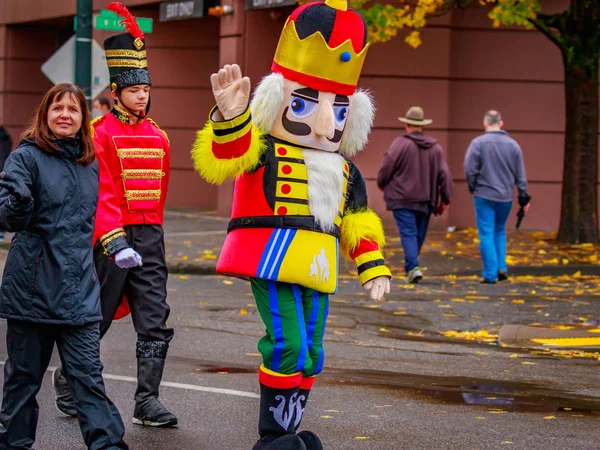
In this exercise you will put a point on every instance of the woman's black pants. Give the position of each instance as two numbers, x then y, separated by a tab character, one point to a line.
30	348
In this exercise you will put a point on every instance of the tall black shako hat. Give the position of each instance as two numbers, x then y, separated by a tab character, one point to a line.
126	53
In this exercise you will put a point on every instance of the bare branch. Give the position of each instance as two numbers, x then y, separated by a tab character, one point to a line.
446	8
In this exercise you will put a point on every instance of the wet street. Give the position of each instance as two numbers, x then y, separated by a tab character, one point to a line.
398	374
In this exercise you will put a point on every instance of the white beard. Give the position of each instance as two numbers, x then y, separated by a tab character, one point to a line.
325	186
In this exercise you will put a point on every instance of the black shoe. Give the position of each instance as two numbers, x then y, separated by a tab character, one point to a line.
285	442
62	396
311	440
502	275
486	281
149	411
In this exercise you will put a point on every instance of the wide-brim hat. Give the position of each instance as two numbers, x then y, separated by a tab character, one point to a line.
415	116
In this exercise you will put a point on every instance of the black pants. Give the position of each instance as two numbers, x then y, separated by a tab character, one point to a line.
30	348
145	287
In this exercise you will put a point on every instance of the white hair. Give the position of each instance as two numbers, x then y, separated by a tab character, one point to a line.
361	114
266	102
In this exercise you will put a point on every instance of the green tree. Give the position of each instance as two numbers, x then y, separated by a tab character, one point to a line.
576	32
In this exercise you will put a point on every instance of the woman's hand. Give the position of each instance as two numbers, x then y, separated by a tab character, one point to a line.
127	258
15	186
378	287
231	91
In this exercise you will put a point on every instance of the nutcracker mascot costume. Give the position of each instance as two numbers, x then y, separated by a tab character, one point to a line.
129	252
297	200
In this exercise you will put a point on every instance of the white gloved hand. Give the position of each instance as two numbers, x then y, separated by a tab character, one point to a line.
231	91
127	258
378	287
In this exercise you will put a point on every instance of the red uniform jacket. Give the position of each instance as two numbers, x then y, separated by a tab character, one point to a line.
134	165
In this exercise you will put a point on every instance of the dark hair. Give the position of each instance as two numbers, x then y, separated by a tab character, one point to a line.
104	101
39	131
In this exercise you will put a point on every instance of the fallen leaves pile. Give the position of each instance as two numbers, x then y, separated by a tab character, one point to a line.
524	248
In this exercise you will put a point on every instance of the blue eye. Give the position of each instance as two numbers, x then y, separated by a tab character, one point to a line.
301	108
341	114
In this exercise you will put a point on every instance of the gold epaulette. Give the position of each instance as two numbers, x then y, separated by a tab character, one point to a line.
156	125
93	122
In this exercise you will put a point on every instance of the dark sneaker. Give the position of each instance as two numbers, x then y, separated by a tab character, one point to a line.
486	281
152	413
502	275
413	276
311	440
62	396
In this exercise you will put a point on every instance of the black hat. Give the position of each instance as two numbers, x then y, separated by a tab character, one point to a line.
126	53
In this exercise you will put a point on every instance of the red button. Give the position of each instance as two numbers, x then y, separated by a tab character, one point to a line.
286	189
282	210
281	151
286	169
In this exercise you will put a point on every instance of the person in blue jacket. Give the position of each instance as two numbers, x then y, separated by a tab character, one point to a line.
50	292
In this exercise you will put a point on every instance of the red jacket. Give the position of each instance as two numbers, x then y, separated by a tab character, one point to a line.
134	163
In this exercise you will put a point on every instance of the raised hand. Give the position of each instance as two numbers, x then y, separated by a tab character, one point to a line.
378	287
15	186
231	91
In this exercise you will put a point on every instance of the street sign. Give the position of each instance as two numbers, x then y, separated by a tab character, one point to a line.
266	4
60	67
108	20
179	10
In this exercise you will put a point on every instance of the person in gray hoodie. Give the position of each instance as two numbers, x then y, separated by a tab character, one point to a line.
416	183
493	166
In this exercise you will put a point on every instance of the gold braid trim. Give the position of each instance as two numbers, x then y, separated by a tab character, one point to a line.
144	194
146	153
141	64
125	54
110	234
112	238
142	174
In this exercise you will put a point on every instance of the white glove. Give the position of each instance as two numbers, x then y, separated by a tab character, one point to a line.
378	287
127	258
231	91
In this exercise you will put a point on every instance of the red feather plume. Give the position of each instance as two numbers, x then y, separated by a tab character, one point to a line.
128	19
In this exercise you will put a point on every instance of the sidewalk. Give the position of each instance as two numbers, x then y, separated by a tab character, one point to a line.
194	240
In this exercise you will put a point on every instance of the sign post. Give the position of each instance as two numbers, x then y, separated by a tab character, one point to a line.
83	48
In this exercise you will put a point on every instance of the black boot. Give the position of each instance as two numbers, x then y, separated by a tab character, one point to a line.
277	411
310	439
149	410
62	396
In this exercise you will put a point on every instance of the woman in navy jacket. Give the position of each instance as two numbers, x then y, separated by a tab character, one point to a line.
50	292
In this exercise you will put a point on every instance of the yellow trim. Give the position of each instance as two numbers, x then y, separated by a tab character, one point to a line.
369	256
110	233
361	225
298	190
143	194
142	174
341	5
312	56
159	129
233	136
145	153
570	342
215	170
228	124
142	64
112	238
379	271
294	209
299	171
125	54
277	374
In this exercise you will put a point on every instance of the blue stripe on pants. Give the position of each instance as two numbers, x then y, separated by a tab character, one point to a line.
302	329
277	329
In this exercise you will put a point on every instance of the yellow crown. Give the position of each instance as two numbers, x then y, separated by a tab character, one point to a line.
314	58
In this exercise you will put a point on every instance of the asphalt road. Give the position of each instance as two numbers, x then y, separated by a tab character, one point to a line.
391	381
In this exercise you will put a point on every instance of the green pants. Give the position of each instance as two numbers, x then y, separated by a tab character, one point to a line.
295	318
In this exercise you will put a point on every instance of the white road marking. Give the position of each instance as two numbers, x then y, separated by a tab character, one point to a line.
188	387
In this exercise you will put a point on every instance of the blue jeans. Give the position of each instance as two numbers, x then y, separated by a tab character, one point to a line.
413	227
491	225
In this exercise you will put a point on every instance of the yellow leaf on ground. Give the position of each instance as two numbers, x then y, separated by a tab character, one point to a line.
518	301
550	417
243	312
527	363
384	330
183	277
362	438
326	417
228	282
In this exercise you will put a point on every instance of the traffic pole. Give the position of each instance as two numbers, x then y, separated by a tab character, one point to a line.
83	48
